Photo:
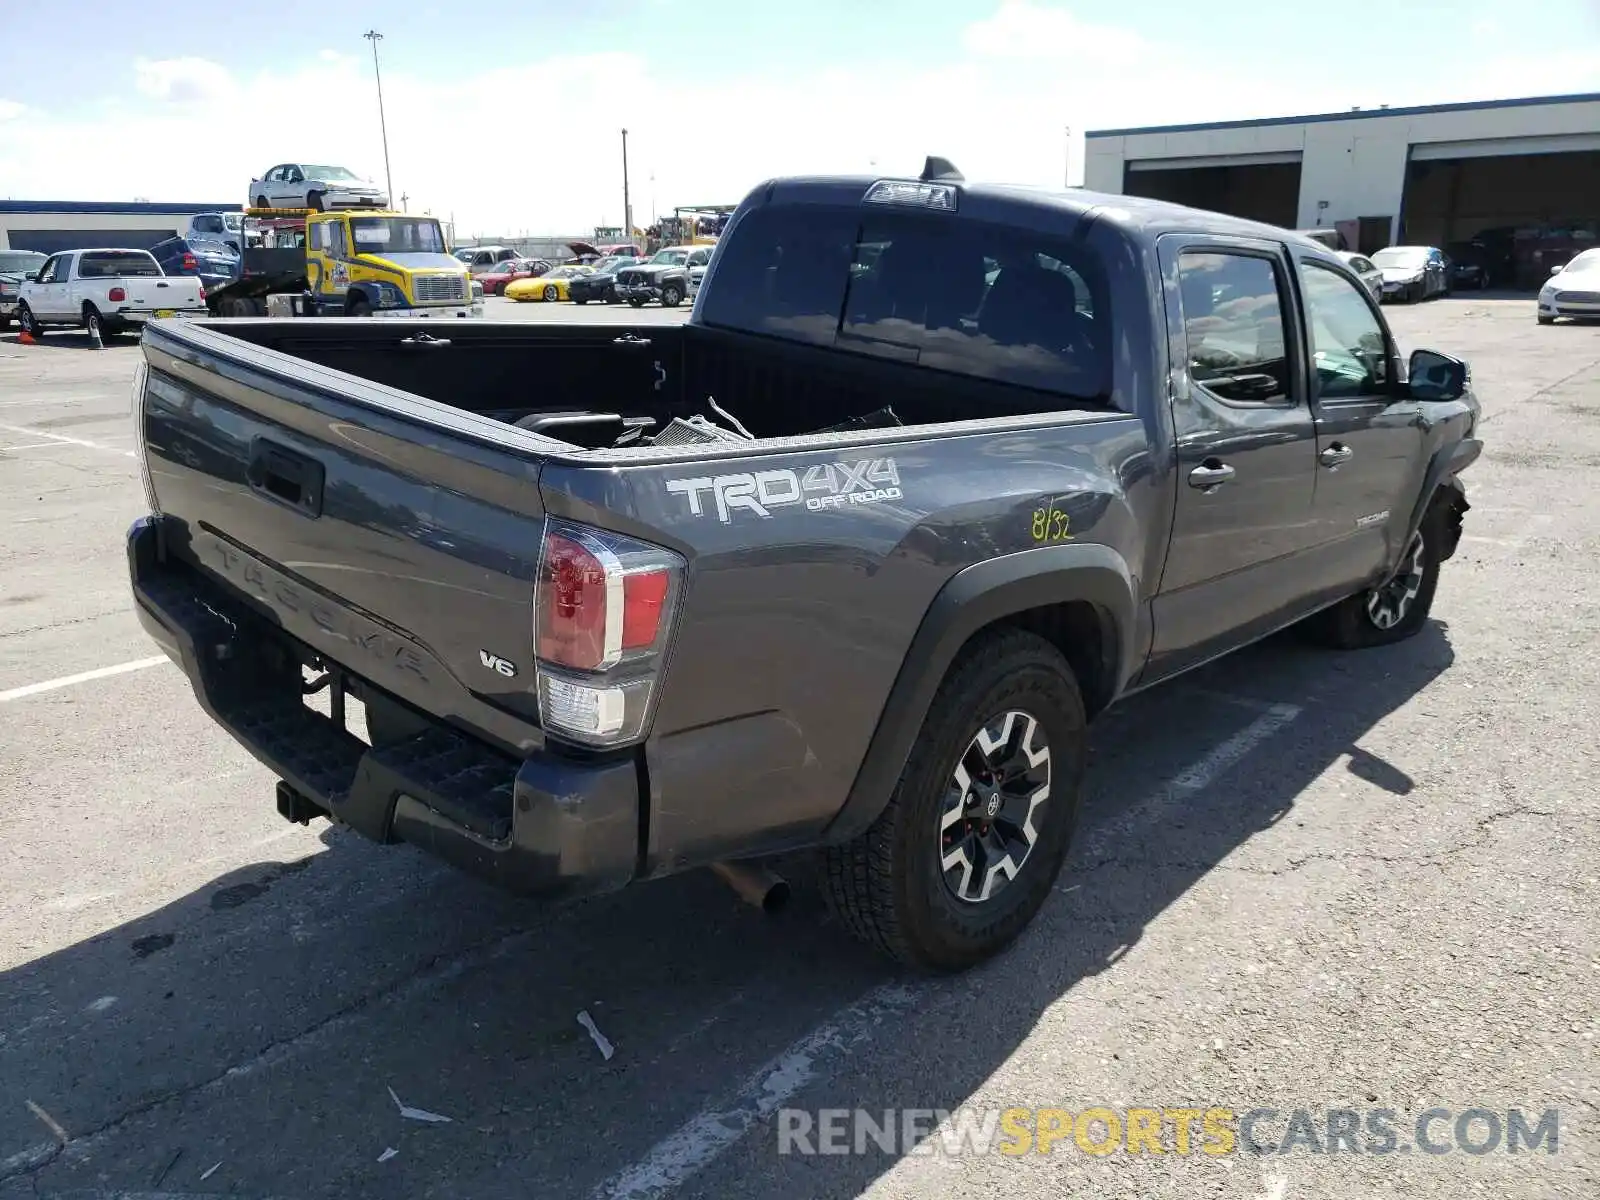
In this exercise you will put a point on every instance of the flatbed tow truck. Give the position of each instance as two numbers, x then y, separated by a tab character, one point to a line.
346	263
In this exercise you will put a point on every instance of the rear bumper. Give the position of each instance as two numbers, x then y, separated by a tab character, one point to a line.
545	826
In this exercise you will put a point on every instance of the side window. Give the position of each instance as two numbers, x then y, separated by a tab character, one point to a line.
1233	324
699	258
275	175
506	255
1361	265
334	232
47	273
1347	343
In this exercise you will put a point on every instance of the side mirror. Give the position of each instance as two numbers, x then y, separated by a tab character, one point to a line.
1435	376
32	277
1556	270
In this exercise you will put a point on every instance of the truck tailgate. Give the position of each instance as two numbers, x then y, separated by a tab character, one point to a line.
149	295
396	538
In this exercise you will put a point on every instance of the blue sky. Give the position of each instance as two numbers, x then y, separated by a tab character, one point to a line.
506	113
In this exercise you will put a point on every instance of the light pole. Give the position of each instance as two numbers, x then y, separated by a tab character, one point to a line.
627	208
373	36
1068	179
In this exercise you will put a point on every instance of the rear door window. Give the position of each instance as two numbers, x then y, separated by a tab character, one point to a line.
951	295
1234	324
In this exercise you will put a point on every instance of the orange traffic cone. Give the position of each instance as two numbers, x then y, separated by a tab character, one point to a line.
26	339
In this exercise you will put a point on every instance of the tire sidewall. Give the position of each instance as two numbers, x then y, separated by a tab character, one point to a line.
27	321
957	933
550	294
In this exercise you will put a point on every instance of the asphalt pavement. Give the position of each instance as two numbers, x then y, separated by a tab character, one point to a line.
1303	881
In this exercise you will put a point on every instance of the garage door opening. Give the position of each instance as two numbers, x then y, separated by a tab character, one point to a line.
1517	214
1258	191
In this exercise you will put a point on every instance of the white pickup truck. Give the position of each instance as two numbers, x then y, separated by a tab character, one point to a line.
107	291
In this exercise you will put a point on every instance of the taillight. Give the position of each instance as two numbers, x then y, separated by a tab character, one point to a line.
141	372
603	611
117	295
190	263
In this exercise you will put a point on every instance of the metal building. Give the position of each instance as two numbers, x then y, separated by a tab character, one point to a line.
1443	174
50	226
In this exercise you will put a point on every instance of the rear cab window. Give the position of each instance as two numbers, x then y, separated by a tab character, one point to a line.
946	293
110	264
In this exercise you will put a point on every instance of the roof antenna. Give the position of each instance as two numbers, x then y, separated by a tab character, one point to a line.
940	170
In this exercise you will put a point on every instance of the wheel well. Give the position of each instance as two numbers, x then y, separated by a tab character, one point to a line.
1086	635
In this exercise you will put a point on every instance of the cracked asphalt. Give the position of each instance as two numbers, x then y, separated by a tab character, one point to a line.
1303	881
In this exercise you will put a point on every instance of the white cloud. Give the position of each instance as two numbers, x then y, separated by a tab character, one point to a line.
537	148
184	80
10	110
1020	29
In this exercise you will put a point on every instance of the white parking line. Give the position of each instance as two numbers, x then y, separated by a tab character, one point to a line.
64	439
50	685
703	1139
697	1144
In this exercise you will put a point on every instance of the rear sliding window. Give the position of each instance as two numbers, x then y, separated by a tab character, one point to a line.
110	264
949	294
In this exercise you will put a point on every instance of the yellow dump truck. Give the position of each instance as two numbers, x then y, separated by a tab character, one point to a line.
346	263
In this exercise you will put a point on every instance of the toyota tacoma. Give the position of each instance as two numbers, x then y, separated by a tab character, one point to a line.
936	472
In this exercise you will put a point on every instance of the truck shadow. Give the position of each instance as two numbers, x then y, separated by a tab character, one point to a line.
261	1020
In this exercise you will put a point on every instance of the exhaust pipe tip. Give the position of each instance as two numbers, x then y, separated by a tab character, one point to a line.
756	886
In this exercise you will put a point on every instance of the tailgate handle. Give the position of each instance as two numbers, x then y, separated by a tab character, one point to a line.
281	474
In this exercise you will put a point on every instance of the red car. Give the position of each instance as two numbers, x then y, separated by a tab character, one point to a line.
494	282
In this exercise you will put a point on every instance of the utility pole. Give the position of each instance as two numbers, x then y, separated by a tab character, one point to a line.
627	207
373	36
403	199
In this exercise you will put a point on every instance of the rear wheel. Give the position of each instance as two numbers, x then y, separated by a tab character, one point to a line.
314	201
973	838
357	307
93	324
263	202
636	301
580	299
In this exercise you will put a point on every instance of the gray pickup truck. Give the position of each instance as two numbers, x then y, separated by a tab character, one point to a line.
847	563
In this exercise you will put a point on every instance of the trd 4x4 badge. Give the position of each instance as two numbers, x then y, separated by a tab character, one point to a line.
824	486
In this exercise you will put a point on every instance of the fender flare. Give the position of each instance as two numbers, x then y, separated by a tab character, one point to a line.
1447	461
973	599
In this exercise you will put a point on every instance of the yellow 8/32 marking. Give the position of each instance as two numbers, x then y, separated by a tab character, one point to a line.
1050	524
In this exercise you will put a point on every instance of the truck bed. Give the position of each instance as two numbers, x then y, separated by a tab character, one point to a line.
520	372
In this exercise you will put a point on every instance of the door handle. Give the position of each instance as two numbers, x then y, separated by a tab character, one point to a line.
1209	474
1335	454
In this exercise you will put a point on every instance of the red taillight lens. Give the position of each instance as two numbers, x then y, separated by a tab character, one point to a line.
573	605
644	597
202	291
117	295
603	609
190	263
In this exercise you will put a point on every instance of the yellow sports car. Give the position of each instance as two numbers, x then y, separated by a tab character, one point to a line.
552	285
